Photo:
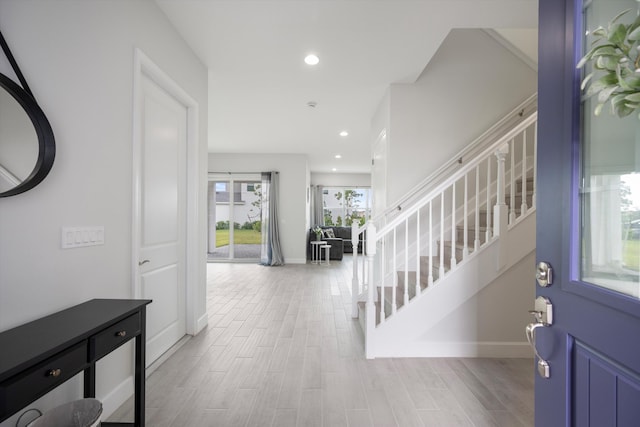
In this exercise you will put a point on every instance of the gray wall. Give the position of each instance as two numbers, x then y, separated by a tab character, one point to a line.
470	83
77	57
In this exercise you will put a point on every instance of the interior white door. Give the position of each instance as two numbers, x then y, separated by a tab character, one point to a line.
161	265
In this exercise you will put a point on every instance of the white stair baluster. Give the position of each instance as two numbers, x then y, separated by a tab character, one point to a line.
441	235
489	207
465	222
523	206
476	241
394	289
453	226
512	184
406	261
535	165
430	278
418	253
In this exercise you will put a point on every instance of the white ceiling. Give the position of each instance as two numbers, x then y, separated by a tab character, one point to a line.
259	85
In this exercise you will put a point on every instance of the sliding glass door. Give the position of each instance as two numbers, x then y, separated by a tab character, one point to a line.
234	217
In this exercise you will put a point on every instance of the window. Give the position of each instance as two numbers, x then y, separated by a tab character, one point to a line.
343	205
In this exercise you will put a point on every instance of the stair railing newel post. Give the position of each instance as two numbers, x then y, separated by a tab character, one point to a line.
370	311
500	210
355	281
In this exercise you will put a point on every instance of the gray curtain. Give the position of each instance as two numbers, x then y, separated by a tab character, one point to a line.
271	253
317	207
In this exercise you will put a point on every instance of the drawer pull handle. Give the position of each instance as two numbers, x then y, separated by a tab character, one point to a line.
121	333
54	373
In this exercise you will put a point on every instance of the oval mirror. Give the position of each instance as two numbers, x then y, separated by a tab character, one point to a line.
27	144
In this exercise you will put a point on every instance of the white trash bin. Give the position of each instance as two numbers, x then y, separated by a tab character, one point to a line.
79	413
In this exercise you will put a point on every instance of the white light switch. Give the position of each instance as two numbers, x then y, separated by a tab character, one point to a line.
75	237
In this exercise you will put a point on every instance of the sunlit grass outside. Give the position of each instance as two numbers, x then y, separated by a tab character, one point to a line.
631	254
240	237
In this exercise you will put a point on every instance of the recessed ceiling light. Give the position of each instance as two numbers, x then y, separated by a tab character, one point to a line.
334	169
344	133
311	59
312	104
338	156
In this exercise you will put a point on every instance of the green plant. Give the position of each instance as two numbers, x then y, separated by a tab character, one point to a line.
615	60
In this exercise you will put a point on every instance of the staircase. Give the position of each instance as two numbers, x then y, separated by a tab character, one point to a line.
464	228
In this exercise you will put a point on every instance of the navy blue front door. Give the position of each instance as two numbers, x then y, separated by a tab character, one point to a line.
587	205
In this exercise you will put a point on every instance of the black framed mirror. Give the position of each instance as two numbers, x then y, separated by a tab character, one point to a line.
27	144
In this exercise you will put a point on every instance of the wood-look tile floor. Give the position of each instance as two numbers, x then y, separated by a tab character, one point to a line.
281	349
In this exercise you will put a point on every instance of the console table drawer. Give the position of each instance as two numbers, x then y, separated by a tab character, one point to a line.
114	336
44	377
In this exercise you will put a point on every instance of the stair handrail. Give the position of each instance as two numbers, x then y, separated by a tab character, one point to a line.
418	204
523	111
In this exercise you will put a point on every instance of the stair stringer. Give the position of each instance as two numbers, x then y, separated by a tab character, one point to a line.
399	335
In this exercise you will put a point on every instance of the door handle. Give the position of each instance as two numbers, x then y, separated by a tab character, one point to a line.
143	262
543	313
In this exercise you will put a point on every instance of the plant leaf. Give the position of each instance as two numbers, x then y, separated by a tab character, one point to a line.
635	24
589	55
634	35
608	62
633	97
598	109
633	82
621	81
616	35
604	94
586	80
606	81
623	110
618	17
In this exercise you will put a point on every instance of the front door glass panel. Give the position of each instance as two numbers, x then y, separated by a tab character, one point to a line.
610	174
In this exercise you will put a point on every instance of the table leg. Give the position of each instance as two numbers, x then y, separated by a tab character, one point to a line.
90	381
139	375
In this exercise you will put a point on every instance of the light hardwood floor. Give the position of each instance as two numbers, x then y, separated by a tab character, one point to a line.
281	350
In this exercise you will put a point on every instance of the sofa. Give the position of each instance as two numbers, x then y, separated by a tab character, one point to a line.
340	243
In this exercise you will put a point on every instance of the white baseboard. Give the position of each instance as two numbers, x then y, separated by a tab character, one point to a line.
202	323
459	349
295	261
116	397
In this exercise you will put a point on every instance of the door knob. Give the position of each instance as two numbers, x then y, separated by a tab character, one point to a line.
543	314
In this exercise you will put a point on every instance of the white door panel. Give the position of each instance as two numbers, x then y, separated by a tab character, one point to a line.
162	227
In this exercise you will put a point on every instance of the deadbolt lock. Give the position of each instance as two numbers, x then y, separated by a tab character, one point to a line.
544	274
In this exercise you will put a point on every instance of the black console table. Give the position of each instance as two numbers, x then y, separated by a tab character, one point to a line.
38	356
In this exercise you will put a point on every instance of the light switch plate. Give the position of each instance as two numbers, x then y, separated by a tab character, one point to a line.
76	237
